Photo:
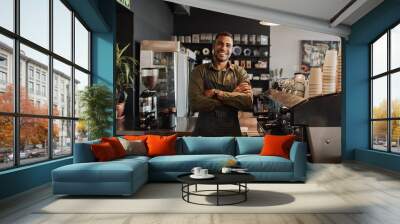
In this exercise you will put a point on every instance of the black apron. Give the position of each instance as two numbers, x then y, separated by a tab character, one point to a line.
223	121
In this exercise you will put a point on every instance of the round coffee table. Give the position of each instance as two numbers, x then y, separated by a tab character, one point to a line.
238	179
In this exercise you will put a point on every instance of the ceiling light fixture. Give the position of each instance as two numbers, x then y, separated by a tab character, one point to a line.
265	23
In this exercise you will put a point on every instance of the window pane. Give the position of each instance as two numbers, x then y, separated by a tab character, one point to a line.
35	21
395	138
62	89
379	98
395	94
379	55
81	131
62	29
6	142
7	14
62	138
34	72
395	47
33	139
81	81
6	74
379	135
81	45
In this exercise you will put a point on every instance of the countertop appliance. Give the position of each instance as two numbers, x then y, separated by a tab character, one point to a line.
171	88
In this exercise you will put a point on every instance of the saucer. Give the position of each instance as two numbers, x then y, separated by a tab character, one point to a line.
208	176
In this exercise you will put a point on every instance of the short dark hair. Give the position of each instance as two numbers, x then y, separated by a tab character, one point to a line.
223	34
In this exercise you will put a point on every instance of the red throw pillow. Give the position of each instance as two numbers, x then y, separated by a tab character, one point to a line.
161	145
136	137
277	145
103	152
116	145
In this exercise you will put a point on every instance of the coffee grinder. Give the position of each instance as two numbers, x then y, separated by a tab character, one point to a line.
148	99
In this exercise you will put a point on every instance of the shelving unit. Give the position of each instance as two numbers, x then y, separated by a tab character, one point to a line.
241	60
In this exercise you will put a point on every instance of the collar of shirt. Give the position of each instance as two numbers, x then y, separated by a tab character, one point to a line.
228	65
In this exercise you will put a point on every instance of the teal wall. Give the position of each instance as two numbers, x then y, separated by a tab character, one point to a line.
356	85
100	16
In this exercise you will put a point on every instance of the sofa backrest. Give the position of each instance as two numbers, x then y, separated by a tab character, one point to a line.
83	152
249	145
207	145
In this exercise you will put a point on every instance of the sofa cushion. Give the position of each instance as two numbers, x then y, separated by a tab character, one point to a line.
103	152
257	163
116	145
134	147
208	145
249	145
161	145
277	145
185	163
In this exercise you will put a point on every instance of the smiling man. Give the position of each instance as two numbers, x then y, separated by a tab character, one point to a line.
218	90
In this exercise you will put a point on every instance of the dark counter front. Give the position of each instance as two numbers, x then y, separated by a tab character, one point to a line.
184	127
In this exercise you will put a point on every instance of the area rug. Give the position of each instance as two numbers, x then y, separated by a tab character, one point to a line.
167	198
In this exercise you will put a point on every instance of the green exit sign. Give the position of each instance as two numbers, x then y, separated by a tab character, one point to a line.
126	3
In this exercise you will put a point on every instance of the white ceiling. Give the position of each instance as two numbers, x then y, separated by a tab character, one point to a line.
321	9
313	15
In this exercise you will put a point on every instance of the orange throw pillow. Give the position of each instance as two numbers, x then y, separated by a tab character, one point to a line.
161	145
103	152
136	137
116	145
277	145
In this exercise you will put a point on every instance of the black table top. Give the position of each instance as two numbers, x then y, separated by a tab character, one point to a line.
220	178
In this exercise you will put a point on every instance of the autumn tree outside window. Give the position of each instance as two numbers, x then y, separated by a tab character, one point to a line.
44	64
385	91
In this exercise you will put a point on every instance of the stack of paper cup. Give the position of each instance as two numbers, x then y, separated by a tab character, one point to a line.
329	72
339	72
315	82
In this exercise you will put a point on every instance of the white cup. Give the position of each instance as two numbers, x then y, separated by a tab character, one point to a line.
226	170
196	171
203	172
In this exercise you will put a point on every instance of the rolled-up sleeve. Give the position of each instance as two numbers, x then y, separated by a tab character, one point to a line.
197	101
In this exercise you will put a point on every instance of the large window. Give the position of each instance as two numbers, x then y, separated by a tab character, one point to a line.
385	91
44	64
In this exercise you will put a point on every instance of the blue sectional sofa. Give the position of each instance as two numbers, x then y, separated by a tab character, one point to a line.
125	176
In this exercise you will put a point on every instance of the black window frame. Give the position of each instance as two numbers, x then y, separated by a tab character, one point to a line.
388	74
16	114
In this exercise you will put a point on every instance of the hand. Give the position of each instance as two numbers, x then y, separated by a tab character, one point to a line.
243	87
209	93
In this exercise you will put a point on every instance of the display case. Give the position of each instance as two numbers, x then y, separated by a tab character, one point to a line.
170	84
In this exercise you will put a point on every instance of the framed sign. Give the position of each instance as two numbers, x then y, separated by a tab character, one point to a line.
313	53
126	3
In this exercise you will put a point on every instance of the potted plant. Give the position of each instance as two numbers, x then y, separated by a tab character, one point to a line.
126	71
96	103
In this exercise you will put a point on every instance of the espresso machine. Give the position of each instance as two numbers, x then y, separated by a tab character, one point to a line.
148	98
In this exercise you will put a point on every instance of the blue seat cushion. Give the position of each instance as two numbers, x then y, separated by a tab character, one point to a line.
185	163
111	171
249	145
257	163
208	145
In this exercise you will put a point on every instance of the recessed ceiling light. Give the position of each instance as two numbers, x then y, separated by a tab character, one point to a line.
265	23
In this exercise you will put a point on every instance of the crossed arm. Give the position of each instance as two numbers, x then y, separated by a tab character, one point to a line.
207	100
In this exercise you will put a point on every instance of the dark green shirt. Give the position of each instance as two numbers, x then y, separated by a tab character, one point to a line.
206	76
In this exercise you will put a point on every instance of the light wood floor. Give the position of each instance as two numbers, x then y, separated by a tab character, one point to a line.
377	188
